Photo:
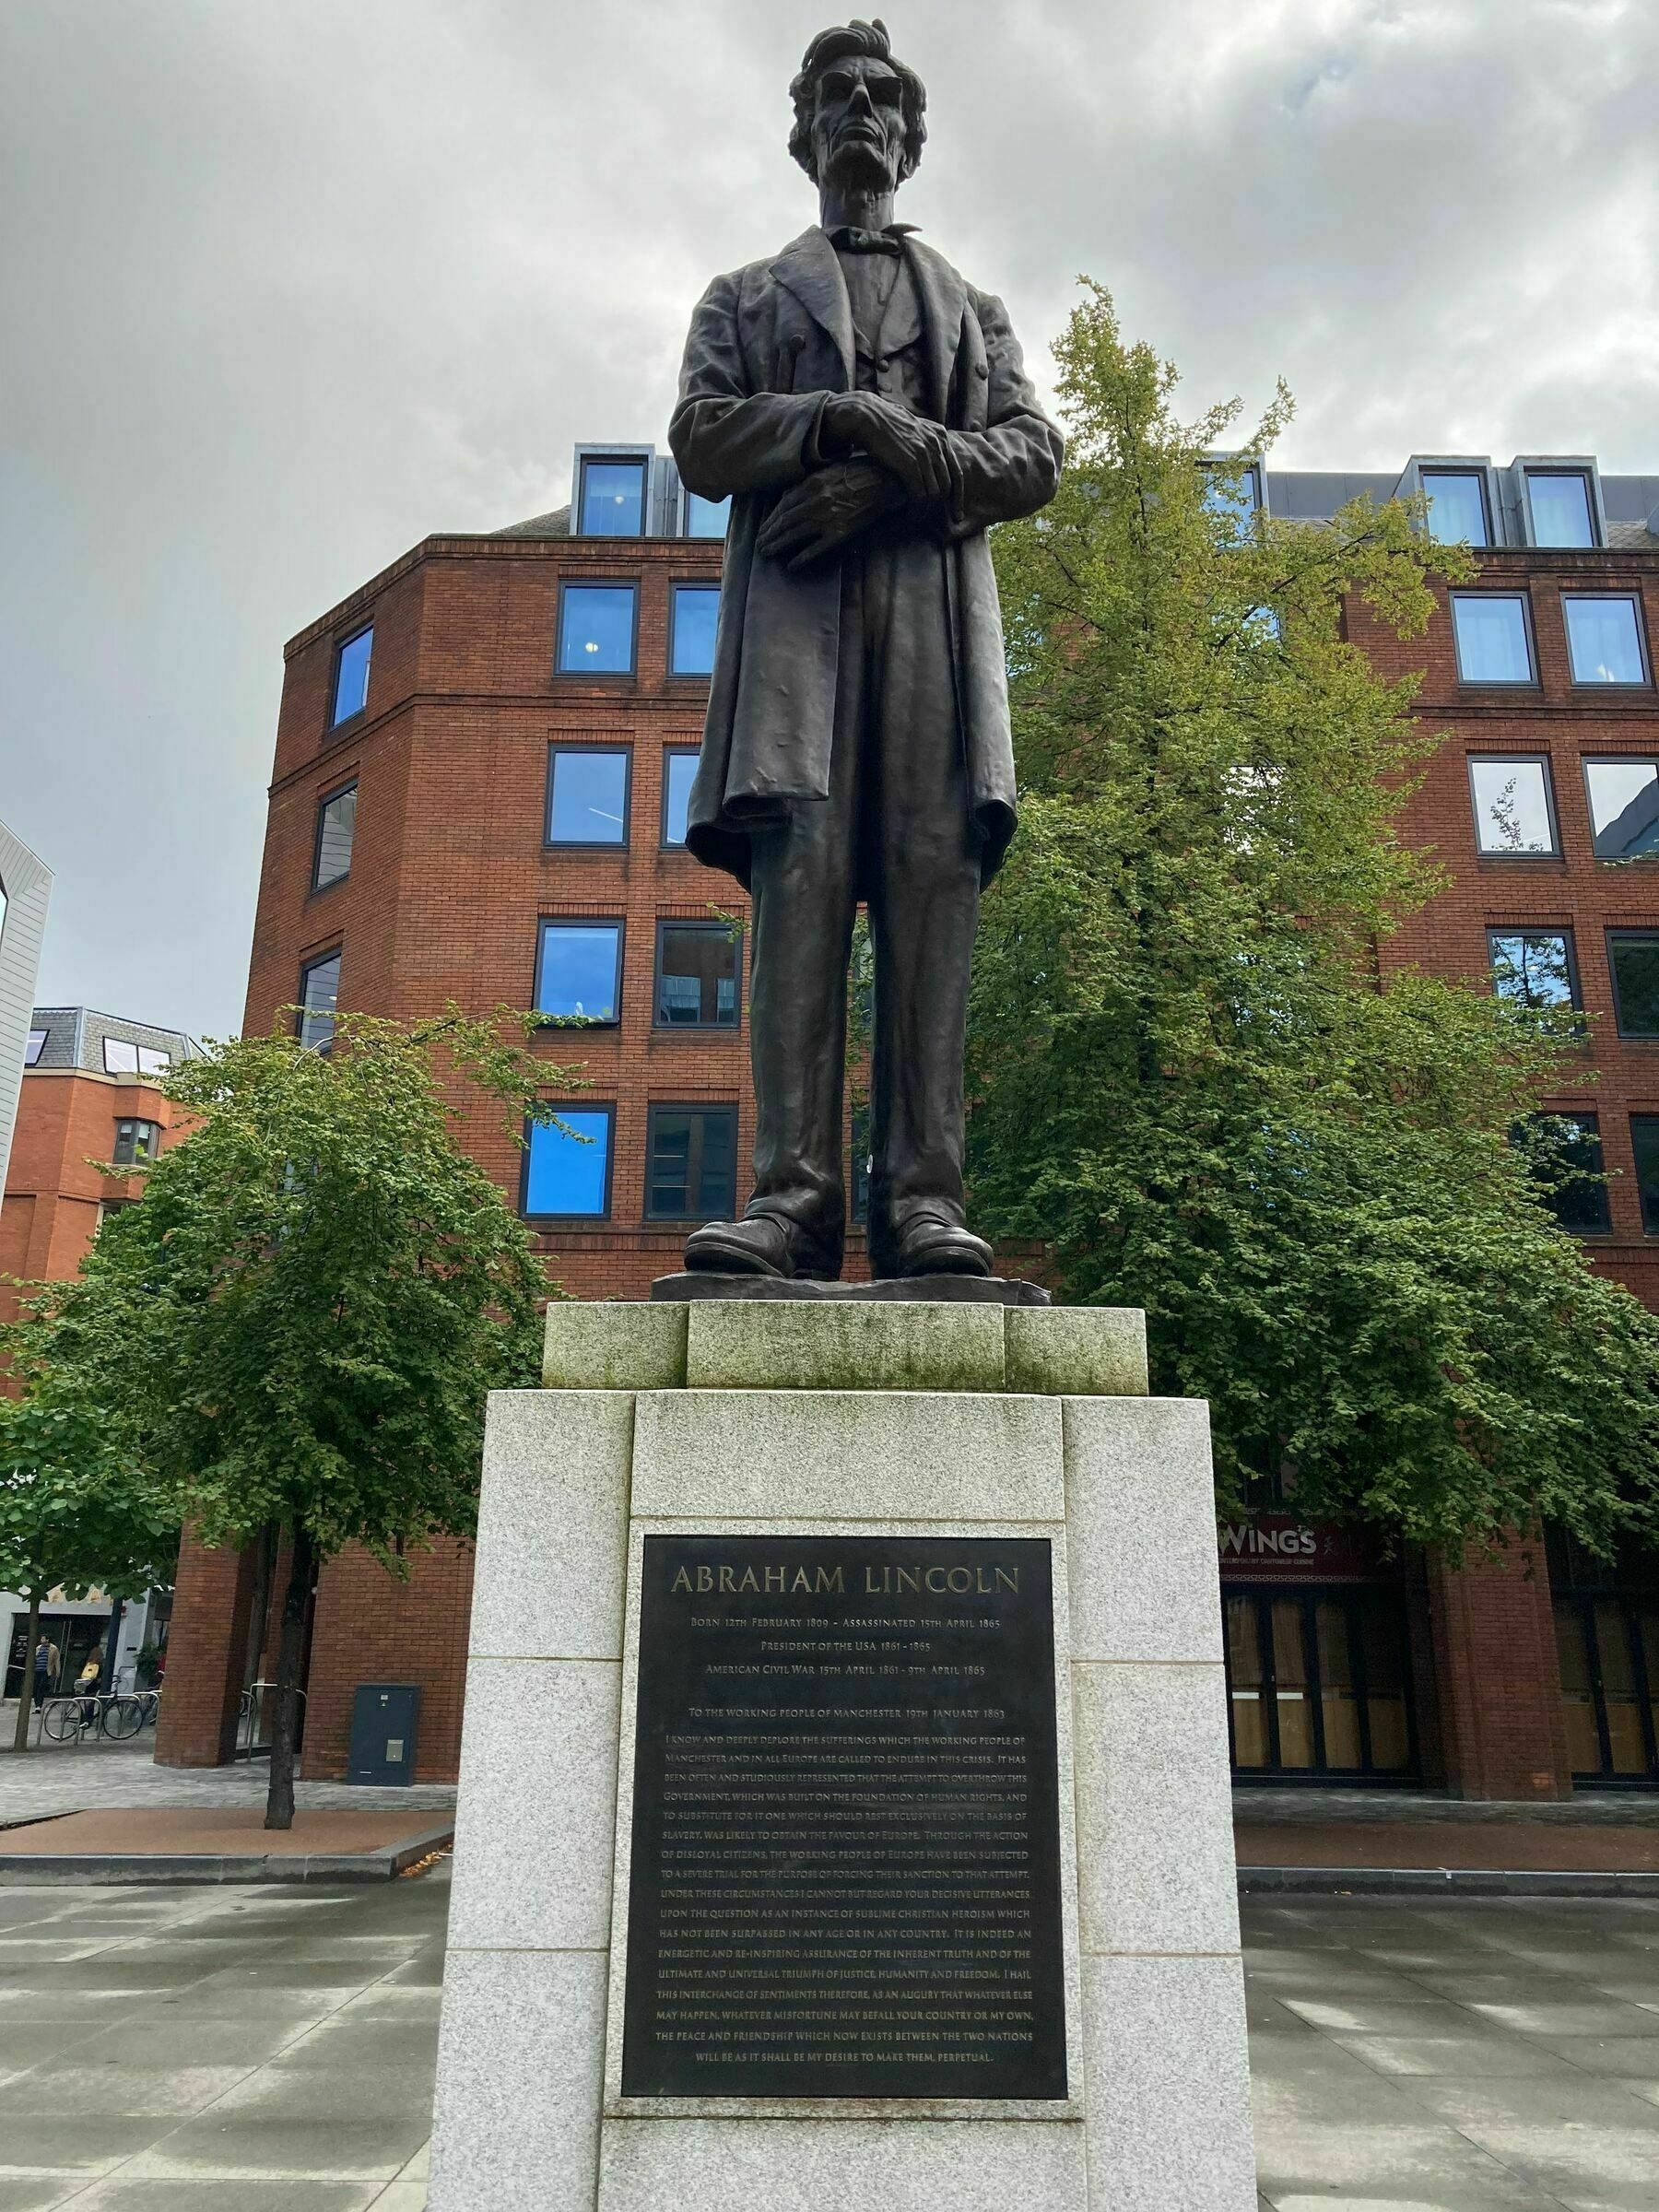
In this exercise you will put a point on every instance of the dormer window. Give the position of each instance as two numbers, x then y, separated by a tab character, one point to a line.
1457	506
612	501
1563	513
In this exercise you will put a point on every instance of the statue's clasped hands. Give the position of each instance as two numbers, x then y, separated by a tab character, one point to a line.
909	463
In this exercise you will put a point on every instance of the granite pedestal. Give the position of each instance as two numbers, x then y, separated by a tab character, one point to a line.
817	1419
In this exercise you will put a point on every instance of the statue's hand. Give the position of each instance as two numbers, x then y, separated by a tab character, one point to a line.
907	446
816	518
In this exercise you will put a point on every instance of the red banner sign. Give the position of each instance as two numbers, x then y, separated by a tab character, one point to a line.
1277	1548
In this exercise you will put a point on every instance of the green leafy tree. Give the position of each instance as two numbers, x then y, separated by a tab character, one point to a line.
297	1328
1186	1081
74	1514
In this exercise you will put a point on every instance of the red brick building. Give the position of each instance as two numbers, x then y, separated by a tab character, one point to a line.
479	790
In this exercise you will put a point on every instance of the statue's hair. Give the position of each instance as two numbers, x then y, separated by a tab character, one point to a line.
834	45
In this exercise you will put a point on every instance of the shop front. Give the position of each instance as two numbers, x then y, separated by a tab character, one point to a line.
1319	1672
1606	1622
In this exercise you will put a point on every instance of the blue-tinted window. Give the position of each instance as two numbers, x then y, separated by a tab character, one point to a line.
1634	958
597	630
706	518
1513	814
351	677
1493	646
1457	508
691	1169
337	825
567	1170
695	611
587	796
697	975
319	995
1624	808
1534	967
613	499
1604	638
1233	493
680	772
1562	514
578	971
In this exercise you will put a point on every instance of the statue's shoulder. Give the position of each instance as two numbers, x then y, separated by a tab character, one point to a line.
760	275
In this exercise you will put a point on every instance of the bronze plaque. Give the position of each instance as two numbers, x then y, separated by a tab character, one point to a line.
845	1875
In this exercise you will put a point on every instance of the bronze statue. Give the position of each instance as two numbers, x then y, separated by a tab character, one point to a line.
869	413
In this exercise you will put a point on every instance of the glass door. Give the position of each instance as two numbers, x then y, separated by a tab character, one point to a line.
1610	1656
1318	1683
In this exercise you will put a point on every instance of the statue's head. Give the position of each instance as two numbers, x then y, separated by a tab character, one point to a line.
858	112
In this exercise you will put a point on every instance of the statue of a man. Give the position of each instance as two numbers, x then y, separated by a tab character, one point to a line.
869	413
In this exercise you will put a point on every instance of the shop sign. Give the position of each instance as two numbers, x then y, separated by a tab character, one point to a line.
1279	1547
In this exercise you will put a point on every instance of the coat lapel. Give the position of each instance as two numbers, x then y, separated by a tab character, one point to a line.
809	268
944	297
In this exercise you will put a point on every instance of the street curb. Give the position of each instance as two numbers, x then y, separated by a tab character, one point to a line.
1441	1881
46	1869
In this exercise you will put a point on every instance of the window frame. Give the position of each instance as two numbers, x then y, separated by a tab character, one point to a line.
631	675
335	723
701	537
1615	933
326	800
589	844
137	1122
543	923
35	1045
1526	859
1540	929
672	751
1633	598
677	584
1529	682
319	959
1586	762
1649	1228
1597	538
704	1106
608	1106
612	460
1427	476
1606	1228
697	1029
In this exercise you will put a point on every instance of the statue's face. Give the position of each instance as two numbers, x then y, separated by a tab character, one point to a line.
858	126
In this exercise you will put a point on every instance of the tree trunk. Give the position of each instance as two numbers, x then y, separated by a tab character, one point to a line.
279	1796
106	1673
26	1687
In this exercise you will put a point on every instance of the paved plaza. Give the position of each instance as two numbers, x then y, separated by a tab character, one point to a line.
259	2050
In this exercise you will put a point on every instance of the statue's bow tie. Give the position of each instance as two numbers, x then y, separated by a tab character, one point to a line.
849	240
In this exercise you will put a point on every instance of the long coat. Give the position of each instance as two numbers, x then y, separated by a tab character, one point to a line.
768	346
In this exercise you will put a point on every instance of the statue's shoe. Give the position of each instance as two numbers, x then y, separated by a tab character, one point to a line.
927	1245
759	1244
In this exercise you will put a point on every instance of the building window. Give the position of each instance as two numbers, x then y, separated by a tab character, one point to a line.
596	628
1514	811
1533	968
706	518
109	1207
567	1168
579	971
1457	506
37	1045
336	819
697	975
1494	643
1232	491
679	770
1633	962
351	678
1624	807
121	1057
319	995
587	796
1644	1138
692	1156
136	1144
1565	1153
694	608
1604	638
613	498
1561	511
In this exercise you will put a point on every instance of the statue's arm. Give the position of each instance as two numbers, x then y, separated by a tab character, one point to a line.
1012	466
725	437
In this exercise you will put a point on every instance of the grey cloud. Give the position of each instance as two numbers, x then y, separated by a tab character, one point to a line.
288	287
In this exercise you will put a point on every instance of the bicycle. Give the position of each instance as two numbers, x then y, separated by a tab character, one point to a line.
66	1720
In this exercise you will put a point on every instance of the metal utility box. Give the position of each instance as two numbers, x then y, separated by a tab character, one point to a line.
384	1718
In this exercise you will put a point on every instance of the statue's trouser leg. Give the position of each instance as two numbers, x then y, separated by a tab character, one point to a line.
803	896
922	875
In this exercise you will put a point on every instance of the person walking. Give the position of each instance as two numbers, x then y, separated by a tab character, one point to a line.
45	1667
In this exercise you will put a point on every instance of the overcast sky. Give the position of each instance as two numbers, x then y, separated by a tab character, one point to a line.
286	285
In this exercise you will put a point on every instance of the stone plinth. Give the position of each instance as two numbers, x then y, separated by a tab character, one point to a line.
796	1418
